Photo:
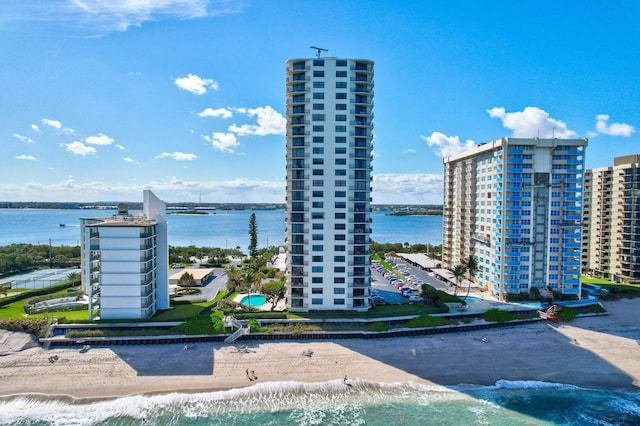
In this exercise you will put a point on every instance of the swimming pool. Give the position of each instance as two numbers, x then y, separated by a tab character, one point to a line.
254	300
471	299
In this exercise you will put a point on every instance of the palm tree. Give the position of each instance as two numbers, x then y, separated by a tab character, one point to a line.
458	274
234	278
471	265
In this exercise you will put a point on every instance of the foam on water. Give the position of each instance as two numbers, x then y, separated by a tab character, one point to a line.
332	402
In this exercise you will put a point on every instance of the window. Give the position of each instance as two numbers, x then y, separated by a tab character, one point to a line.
341	129
318	150
338	290
316	301
317	215
339	269
341	107
339	248
318	128
317	117
340	194
341	95
338	280
317	248
318	161
316	290
318	139
340	237
317	194
341	150
318	73
338	301
317	226
341	117
340	183
318	107
341	172
341	139
340	205
340	226
316	258
318	62
341	84
341	62
316	280
317	269
317	204
340	216
339	258
318	172
317	237
341	161
341	74
318	95
318	183
318	84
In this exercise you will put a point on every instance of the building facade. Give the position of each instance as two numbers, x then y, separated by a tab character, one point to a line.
328	162
125	262
611	238
516	206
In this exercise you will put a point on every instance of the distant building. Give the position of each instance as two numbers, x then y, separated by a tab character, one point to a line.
125	261
201	276
611	239
329	143
516	206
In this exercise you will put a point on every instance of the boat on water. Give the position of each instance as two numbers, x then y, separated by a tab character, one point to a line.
62	224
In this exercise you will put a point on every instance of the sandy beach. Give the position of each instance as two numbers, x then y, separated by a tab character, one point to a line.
605	354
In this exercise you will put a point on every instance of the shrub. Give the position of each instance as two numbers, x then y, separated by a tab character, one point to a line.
253	325
498	315
378	327
566	313
35	326
426	321
36	292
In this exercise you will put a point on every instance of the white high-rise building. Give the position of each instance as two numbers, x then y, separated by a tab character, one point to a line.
516	206
125	262
329	143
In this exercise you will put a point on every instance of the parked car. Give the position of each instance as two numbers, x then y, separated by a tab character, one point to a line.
415	299
378	300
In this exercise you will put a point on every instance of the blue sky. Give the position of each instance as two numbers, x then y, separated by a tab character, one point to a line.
100	100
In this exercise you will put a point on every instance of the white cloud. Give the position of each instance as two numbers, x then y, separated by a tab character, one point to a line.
180	156
120	147
224	142
100	139
52	123
532	122
446	146
67	131
117	15
420	188
613	129
35	128
26	157
196	85
270	122
128	159
22	138
78	148
220	112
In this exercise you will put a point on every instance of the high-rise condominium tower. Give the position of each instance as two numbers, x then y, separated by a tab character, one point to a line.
516	206
329	143
611	240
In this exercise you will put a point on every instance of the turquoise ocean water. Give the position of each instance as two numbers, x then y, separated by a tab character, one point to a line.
333	403
225	228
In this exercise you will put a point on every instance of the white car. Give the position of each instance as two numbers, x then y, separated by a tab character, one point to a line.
415	299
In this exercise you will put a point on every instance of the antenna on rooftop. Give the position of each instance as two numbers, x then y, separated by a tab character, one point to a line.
319	49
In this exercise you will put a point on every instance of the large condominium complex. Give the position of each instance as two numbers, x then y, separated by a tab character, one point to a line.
329	143
515	205
125	262
611	238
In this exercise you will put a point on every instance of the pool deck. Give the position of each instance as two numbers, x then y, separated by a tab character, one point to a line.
266	307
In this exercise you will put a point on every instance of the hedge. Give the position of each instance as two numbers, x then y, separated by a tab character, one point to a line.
36	292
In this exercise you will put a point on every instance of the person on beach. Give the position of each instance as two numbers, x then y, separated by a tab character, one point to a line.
247	373
253	374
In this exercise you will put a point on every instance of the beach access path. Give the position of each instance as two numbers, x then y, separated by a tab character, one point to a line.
595	352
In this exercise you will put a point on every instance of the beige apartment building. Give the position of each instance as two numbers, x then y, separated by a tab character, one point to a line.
516	206
611	237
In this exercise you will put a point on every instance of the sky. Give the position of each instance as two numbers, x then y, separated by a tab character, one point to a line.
100	100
